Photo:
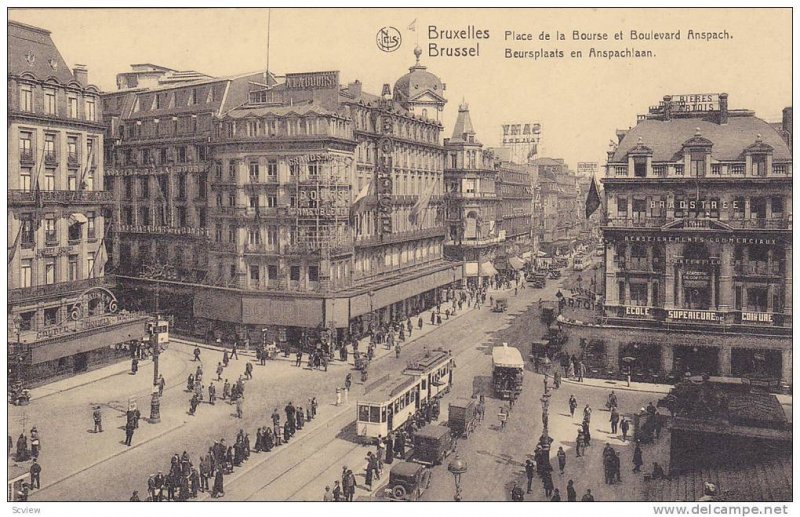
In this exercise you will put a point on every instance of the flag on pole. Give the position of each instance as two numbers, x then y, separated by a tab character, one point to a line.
592	199
413	25
422	203
82	184
12	250
361	198
100	259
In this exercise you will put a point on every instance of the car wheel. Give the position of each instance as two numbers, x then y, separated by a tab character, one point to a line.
399	492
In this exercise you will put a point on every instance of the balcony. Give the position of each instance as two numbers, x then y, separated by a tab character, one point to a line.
21	294
61	197
477	243
181	231
378	240
260	249
341	246
635	222
26	156
50	158
641	265
472	195
757	269
761	223
73	159
222	247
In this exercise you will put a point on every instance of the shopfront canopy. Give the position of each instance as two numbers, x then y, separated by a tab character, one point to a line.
516	262
487	269
77	218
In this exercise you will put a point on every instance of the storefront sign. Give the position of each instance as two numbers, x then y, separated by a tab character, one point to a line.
695	275
308	158
87	324
689	315
579	303
383	174
698	238
330	211
713	261
521	133
636	310
587	168
757	317
312	80
55	251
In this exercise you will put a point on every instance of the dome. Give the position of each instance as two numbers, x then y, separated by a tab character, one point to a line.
417	81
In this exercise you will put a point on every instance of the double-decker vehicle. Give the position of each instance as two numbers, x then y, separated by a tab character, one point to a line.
392	400
581	262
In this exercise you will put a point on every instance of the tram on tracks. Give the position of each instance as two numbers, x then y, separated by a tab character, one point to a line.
392	400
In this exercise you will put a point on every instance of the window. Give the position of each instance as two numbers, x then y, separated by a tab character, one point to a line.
90	112
313	273
738	297
759	165
72	272
50	271
202	186
49	179
144	215
777	206
146	159
25	179
638	294
74	232
73	107
90	225
272	169
144	187
622	207
255	275
182	216
50	101
217	233
253	201
736	169
697	165
272	236
181	186
127	215
621	288
679	170
294	273
232	170
25	146
25	98
233	271
313	170
72	149
640	167
51	316
25	273
128	187
253	172
272	272
192	96
50	235
253	237
272	201
738	207
26	231
162	158
182	154
231	199
202	218
659	170
219	199
294	170
232	234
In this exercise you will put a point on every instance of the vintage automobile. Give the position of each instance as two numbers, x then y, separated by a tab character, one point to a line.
432	444
407	481
538	280
500	305
555	273
507	369
461	417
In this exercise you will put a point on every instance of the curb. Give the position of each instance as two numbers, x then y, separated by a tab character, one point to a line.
114	455
143	362
612	386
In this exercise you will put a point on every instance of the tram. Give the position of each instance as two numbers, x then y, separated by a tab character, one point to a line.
398	396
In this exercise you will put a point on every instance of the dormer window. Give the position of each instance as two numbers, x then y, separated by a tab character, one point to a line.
640	167
759	165
698	164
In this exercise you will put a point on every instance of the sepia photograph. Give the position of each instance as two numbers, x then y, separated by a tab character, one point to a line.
363	254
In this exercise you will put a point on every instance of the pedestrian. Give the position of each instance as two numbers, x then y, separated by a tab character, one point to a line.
248	370
562	459
624	426
196	353
572	495
190	383
98	420
433	317
350	485
637	458
503	415
134	366
581	372
557	378
298	359
656	417
579	443
135	497
438	318
573	404
161	384
587	497
129	433
218	485
516	494
35	443
36	471
547	483
556	496
327	496
194	482
300	416
225	358
239	404
193	404
587	414
615	467
348	381
587	437
614	419
371	468
212	394
419	323
233	350
529	472
337	491
220	369
314	407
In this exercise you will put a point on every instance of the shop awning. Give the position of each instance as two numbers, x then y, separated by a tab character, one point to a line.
78	218
516	263
487	269
471	269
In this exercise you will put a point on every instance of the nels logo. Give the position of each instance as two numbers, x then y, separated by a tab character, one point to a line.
388	39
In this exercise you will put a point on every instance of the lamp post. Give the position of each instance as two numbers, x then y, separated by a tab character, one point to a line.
545	440
456	468
155	403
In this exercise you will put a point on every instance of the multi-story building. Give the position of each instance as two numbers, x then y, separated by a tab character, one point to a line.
698	234
62	317
303	204
515	212
472	202
559	228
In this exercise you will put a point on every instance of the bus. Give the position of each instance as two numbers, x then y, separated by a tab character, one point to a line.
581	262
398	396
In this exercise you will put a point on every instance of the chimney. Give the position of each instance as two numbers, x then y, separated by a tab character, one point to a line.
355	89
786	125
667	107
81	74
723	108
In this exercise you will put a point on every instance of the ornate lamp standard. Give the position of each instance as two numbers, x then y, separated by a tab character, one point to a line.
456	468
155	403
545	440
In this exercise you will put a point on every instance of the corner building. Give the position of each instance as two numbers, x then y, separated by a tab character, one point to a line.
698	258
62	317
292	231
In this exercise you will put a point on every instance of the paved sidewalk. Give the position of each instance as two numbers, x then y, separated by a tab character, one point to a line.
83	379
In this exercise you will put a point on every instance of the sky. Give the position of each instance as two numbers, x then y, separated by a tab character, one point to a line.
579	102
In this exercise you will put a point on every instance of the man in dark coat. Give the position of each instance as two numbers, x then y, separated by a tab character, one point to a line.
389	449
530	470
36	471
637	459
129	427
218	485
291	417
572	495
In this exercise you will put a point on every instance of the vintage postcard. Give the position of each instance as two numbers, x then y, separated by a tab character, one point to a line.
374	254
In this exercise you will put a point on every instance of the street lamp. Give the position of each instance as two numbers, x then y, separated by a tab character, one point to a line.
456	468
155	403
545	440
